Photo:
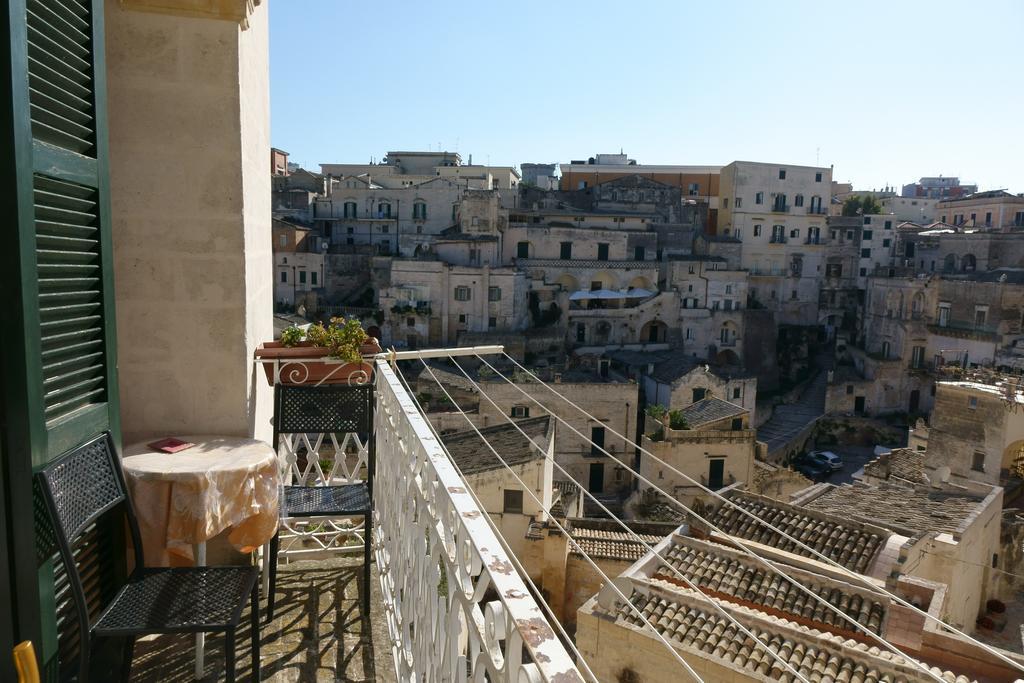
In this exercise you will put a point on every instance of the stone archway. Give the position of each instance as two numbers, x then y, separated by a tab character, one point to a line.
568	283
1013	458
727	357
653	332
640	282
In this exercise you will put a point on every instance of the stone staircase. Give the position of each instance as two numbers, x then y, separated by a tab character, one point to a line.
789	421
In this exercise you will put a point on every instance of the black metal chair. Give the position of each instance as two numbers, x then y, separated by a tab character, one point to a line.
305	418
83	487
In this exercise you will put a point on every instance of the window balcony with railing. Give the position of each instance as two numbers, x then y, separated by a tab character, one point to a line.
777	239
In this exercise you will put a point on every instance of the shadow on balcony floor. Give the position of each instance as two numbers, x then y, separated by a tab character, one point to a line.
318	634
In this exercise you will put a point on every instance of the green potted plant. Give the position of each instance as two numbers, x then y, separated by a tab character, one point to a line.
322	354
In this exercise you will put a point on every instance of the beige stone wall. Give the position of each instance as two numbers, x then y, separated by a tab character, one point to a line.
190	199
961	561
490	488
690	452
582	582
613	403
957	431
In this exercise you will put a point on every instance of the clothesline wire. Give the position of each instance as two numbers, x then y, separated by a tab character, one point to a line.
626	601
647	547
859	578
504	543
740	545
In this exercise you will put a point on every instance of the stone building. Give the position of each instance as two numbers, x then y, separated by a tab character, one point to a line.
779	213
716	448
612	401
995	209
840	292
946	534
499	490
565	577
619	646
431	303
298	262
699	184
712	295
676	382
976	430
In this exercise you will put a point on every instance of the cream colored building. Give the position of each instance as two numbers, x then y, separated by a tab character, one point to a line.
190	194
679	382
430	302
976	430
778	212
717	449
612	402
499	488
916	209
995	209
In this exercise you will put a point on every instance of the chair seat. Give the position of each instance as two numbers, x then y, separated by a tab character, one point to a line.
179	600
314	501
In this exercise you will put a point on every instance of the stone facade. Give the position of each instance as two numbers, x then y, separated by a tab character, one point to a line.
613	403
188	111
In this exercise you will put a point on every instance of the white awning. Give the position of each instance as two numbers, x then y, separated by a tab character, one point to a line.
584	294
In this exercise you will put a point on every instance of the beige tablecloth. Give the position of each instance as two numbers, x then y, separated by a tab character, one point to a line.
191	496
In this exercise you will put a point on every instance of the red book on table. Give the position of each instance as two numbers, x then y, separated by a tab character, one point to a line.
170	445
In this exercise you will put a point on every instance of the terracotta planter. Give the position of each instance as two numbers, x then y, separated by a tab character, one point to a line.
308	364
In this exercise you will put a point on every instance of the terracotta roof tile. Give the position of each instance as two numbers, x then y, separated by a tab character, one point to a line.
850	546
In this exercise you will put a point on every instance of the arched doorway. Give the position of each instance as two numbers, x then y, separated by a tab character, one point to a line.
653	332
1013	459
568	283
949	263
968	263
640	282
727	357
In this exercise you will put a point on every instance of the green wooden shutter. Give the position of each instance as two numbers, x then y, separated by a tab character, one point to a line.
58	368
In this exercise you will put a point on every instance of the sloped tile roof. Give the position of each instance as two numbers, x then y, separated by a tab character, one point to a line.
471	455
611	545
713	568
850	546
710	410
901	463
819	656
903	507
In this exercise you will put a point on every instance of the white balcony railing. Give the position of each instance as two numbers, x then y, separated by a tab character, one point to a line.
456	608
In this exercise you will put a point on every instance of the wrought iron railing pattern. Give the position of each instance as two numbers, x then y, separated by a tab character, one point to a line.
456	608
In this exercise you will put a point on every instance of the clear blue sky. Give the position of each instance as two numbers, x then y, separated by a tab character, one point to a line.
886	92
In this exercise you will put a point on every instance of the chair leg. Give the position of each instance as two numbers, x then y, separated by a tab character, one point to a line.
254	626
126	667
275	544
367	531
229	655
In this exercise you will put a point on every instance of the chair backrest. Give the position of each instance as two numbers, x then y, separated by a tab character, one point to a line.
86	499
331	417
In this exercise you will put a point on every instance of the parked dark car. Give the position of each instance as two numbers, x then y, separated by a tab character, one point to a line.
812	469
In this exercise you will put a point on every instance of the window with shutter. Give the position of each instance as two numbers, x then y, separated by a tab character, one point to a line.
58	368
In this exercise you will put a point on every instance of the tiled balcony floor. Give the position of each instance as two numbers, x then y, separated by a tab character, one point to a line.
318	634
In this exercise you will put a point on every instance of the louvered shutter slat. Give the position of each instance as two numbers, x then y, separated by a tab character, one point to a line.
70	298
61	74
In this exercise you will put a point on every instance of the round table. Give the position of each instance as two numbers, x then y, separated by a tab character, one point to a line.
184	499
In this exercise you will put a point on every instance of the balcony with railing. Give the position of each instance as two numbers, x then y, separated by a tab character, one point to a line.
446	602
